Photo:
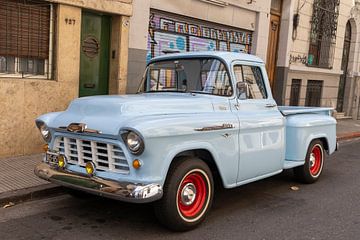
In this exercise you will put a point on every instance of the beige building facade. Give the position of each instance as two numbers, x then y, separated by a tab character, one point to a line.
63	49
318	63
47	50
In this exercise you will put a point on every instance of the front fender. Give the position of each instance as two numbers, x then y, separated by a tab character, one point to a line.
161	151
228	176
168	135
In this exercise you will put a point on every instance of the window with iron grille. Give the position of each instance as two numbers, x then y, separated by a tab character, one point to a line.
26	38
313	93
295	92
323	33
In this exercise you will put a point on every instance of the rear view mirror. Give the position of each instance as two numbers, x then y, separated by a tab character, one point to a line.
242	89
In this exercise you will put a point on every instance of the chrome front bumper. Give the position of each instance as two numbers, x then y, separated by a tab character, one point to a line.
123	191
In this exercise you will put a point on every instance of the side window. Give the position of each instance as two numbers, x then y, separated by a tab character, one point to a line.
253	77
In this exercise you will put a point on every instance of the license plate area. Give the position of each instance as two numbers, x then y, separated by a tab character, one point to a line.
52	158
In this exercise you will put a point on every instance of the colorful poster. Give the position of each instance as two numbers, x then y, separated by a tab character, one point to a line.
169	43
235	47
202	44
167	35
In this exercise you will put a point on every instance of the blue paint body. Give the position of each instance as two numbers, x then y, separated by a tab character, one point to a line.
263	142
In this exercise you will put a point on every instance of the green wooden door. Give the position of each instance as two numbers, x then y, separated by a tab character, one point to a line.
94	54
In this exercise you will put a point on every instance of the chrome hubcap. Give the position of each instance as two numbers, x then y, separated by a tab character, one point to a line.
312	160
188	194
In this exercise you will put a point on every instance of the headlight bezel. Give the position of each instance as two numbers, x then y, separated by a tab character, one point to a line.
136	150
44	130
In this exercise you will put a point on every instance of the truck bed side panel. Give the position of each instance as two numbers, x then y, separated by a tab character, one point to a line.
301	129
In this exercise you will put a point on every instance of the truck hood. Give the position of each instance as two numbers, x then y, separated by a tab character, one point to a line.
109	113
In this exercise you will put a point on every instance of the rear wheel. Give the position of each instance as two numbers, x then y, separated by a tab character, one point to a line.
188	194
314	162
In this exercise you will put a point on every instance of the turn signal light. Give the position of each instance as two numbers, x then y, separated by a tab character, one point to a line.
136	164
90	168
45	147
61	161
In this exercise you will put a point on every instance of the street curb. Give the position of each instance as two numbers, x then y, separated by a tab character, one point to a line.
348	136
32	193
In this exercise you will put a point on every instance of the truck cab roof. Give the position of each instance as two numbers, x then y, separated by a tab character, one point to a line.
227	57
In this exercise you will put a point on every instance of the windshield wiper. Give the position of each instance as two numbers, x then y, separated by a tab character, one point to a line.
200	92
180	91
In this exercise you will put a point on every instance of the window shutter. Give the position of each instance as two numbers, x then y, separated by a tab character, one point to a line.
24	28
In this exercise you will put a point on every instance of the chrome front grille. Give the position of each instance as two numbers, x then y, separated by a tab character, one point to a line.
106	156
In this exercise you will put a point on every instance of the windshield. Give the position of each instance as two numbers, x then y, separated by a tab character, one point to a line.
204	75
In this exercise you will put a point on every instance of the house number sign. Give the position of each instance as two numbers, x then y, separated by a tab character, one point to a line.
70	21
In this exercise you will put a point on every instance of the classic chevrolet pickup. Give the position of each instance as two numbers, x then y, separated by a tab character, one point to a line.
197	118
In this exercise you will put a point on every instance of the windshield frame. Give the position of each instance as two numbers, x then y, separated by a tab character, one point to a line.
227	69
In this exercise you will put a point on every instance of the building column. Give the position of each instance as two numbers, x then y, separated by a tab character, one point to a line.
261	35
353	98
119	54
285	45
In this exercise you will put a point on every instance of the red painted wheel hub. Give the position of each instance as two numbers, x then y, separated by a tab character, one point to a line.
315	160
192	194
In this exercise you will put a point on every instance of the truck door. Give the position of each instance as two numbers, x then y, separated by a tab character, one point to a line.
261	135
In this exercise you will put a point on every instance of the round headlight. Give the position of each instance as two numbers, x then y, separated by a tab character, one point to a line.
44	130
134	142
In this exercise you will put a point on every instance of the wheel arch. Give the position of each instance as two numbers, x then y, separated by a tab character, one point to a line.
325	143
203	154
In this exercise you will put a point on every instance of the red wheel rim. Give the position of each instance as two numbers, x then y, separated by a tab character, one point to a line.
315	160
192	195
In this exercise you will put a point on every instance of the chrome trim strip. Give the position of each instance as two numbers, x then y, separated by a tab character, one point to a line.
213	128
91	134
123	191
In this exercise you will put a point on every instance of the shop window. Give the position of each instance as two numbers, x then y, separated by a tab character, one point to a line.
295	92
313	93
26	32
323	33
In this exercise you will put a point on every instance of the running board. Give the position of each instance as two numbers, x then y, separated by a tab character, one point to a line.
292	164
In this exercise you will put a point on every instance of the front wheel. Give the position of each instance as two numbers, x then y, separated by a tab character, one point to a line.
188	194
314	163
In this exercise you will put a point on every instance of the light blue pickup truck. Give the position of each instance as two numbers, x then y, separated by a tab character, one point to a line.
197	118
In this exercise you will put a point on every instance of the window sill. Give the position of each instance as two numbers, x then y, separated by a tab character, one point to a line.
315	70
19	76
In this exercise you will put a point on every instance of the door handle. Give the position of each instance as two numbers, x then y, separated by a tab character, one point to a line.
270	105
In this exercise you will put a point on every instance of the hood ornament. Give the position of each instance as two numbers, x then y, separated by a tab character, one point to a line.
80	128
77	127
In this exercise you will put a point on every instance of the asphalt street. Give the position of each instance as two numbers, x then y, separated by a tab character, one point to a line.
268	209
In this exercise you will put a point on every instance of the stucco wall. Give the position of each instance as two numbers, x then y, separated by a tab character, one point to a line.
22	100
330	87
120	7
299	47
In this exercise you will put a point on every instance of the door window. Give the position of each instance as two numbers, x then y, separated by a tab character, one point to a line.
253	77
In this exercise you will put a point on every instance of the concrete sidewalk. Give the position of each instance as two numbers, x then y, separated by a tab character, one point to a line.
18	182
348	129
